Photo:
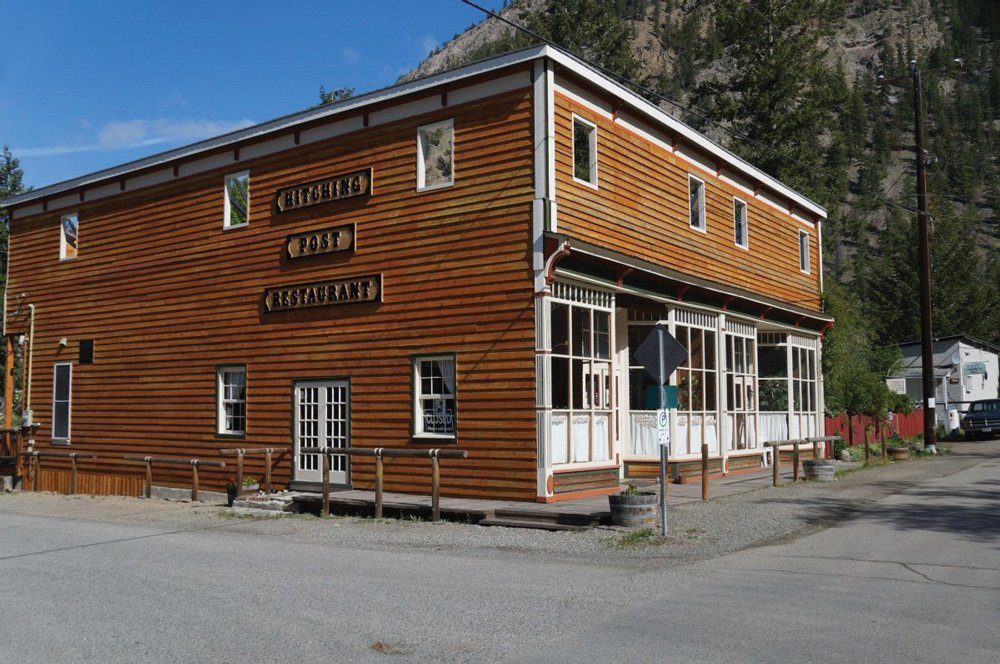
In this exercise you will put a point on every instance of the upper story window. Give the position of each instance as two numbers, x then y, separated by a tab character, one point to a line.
804	251
237	211
68	234
231	408
434	396
436	155
740	230
696	202
584	152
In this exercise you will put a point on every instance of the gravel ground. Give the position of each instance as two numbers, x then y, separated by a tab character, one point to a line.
698	531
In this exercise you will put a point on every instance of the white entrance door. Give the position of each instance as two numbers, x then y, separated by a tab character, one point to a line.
322	418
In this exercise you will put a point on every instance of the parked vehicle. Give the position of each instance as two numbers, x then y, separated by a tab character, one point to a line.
982	420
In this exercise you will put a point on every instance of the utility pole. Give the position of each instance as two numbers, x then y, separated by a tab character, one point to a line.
926	335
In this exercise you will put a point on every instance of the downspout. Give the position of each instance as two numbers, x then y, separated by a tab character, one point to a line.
26	415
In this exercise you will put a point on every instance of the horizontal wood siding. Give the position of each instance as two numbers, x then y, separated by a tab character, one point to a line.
640	208
585	480
168	295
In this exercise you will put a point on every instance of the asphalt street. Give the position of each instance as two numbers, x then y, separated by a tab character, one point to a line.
914	577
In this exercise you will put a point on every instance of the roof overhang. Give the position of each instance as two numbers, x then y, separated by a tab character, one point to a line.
573	258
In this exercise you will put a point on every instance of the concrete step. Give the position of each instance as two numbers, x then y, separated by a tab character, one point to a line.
531	523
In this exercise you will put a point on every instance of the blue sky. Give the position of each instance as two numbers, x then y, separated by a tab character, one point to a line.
87	85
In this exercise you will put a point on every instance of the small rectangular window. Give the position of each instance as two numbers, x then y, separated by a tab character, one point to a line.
696	202
86	351
584	152
436	155
434	396
237	192
804	251
231	392
61	394
740	231
68	236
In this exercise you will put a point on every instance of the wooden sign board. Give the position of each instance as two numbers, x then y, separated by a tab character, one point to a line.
338	187
323	241
353	290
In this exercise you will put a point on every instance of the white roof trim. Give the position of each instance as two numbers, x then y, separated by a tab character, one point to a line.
289	122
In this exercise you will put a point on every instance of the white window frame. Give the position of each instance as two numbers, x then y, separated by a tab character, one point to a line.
702	225
421	167
419	397
62	440
227	214
737	204
804	252
63	244
221	427
591	129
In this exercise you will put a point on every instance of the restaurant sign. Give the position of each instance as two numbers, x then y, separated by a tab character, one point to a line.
338	187
323	241
353	290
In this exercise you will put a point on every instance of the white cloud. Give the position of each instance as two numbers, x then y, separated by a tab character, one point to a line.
143	133
428	43
351	55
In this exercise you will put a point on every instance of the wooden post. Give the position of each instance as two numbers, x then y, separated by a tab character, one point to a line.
194	480
72	474
239	472
868	450
267	471
885	451
435	487
776	462
704	471
379	478
326	484
795	461
149	477
815	449
37	463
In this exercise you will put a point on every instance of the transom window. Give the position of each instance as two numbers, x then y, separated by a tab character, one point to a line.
434	396
740	231
584	151
237	191
232	400
68	236
696	202
436	155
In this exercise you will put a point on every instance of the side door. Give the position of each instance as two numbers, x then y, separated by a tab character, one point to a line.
321	410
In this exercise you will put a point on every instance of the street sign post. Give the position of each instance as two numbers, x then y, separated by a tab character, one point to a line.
660	354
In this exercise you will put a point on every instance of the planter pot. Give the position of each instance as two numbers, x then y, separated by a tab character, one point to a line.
638	510
899	453
818	469
251	488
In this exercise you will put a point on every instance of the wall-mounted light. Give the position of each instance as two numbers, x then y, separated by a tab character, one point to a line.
63	342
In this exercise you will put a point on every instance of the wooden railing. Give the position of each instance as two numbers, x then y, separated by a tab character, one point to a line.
240	452
379	453
35	466
194	463
775	445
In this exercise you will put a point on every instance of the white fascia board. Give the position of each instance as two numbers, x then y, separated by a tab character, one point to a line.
282	124
675	125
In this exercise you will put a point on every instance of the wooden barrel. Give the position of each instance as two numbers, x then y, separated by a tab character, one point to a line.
636	510
818	469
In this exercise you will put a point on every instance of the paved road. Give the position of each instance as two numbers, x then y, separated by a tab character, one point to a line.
912	578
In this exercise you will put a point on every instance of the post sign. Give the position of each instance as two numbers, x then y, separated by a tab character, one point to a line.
338	187
663	427
353	290
323	241
660	353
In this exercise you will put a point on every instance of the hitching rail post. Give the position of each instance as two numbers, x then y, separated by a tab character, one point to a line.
149	477
704	471
239	471
72	473
326	485
435	487
815	449
36	462
795	461
194	463
267	470
379	482
775	463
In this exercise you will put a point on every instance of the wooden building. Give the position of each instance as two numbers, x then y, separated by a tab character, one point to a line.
466	260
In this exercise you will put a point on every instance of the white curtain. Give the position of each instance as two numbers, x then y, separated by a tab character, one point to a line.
580	432
773	426
560	434
643	434
601	433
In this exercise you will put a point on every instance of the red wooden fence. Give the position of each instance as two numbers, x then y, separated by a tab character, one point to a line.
907	426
